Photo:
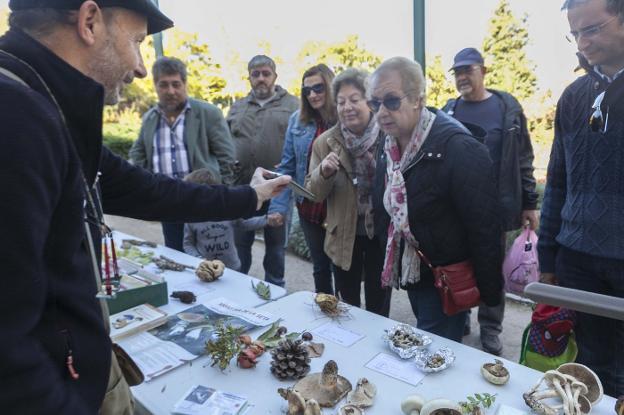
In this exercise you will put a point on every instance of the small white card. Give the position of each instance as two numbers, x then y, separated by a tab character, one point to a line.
404	370
338	334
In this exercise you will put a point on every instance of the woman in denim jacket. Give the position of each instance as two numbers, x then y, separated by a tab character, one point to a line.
317	114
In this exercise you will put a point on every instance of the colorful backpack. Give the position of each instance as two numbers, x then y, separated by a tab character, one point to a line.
521	266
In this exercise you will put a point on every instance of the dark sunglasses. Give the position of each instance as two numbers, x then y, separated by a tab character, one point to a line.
598	122
317	88
391	103
256	74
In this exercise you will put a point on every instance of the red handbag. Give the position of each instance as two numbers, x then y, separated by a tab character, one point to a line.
456	285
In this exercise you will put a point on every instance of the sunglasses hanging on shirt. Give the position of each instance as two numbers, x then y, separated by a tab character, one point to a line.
597	121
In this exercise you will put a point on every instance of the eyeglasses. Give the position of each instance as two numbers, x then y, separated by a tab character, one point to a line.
596	121
257	73
391	103
588	32
317	88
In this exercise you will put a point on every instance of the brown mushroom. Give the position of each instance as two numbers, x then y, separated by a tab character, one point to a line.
327	387
495	373
584	375
296	403
312	408
363	394
619	405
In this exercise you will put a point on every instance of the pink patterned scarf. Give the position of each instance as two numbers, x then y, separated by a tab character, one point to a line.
395	202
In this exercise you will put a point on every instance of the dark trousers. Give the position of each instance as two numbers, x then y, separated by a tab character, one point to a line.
367	256
174	235
274	240
321	264
427	307
600	340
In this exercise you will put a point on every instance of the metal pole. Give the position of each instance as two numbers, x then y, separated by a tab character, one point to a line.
419	32
583	301
158	39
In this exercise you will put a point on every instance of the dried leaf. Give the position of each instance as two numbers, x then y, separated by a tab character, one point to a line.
263	290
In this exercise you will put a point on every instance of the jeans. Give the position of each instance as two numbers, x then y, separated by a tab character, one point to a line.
322	266
367	256
427	307
174	235
599	339
274	240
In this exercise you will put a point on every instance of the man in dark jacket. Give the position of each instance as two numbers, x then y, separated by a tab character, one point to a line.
510	149
581	241
258	124
59	65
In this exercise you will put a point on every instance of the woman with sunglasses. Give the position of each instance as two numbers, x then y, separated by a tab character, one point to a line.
316	114
342	169
434	192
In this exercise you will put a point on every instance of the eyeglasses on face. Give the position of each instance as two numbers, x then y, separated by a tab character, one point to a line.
391	103
589	32
317	88
257	73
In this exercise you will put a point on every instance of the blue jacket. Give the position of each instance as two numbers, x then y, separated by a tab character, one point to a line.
294	159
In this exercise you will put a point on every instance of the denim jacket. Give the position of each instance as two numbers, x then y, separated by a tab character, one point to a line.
294	159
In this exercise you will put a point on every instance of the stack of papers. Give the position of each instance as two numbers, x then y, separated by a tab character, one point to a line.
208	401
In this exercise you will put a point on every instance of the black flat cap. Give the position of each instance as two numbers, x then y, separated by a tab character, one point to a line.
156	20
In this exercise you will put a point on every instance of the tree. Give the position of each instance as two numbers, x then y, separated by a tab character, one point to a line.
339	56
439	88
505	57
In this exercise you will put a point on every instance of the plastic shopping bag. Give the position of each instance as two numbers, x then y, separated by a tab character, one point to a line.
521	265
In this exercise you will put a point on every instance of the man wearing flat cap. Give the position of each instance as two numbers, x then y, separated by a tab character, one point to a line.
60	62
509	145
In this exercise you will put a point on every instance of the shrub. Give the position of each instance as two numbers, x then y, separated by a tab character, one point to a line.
119	137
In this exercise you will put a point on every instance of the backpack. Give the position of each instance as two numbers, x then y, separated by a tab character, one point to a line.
521	265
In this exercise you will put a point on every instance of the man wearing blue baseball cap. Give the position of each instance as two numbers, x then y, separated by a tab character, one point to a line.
60	62
509	145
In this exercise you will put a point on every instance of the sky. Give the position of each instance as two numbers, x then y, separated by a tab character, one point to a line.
385	27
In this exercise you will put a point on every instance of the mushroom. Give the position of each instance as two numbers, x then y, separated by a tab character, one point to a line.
412	405
350	410
495	373
209	271
584	375
312	408
440	407
619	405
296	403
363	394
327	387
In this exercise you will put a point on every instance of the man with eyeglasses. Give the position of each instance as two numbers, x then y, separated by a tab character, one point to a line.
509	145
581	241
180	135
258	125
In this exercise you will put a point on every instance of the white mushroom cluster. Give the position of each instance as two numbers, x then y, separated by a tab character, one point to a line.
417	405
575	389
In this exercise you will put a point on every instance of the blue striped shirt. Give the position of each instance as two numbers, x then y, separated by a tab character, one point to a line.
170	151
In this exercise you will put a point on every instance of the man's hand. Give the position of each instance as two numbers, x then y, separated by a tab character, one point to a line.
275	219
267	188
548	278
530	218
330	165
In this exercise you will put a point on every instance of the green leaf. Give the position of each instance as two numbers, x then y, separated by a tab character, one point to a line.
471	399
478	397
271	332
263	290
293	335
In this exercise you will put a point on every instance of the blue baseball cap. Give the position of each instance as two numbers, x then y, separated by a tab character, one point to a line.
467	57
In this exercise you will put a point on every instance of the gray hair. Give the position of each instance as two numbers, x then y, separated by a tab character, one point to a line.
260	60
40	23
357	78
412	78
614	7
168	66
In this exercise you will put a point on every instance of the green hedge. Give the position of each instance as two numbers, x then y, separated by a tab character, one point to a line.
119	137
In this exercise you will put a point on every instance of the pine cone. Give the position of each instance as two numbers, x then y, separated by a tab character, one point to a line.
210	270
290	360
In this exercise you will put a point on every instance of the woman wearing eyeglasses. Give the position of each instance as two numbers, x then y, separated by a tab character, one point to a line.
316	114
434	191
342	168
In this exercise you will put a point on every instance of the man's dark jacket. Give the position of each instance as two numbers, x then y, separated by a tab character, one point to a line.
516	182
452	205
47	287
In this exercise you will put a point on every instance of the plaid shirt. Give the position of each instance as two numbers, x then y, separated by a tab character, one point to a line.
170	152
